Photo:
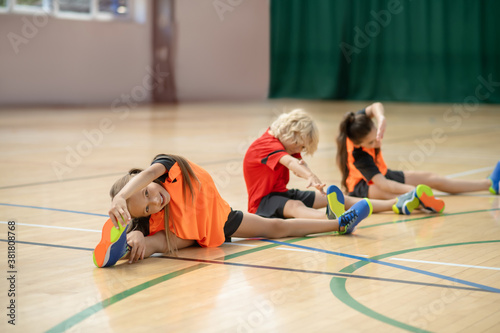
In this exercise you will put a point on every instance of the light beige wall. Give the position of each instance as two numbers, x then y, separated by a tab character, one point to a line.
61	61
222	51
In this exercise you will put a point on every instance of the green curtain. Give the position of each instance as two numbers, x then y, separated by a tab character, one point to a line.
397	50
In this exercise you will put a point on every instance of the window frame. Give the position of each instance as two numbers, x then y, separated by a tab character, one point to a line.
51	7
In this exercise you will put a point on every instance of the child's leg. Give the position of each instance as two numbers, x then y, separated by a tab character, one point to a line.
378	205
157	243
257	226
446	184
297	209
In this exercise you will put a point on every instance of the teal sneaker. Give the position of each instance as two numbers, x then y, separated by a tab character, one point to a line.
406	203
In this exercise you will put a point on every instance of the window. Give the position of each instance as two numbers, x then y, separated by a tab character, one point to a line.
116	7
75	6
36	3
86	9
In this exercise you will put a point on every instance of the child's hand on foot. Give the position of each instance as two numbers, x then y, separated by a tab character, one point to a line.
119	211
136	240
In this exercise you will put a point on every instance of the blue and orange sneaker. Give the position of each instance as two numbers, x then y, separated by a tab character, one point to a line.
336	202
406	203
113	245
495	180
351	218
427	199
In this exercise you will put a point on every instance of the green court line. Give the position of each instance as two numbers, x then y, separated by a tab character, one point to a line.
82	315
86	313
338	285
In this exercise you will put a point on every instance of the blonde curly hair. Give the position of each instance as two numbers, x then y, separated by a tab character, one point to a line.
297	126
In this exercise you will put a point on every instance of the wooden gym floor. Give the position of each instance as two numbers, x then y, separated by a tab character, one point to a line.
438	273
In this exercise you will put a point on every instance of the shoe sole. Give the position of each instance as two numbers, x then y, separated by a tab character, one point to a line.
110	236
427	199
336	200
408	206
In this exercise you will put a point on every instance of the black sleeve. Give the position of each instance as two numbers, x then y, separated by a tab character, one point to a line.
365	164
168	162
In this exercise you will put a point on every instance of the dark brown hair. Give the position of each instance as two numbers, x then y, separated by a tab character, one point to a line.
355	127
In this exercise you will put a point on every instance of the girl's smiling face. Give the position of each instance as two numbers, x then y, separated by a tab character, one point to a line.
150	200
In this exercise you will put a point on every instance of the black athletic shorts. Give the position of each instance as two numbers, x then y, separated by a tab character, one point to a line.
361	188
272	204
233	223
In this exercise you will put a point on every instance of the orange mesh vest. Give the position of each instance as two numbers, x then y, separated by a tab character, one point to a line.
202	220
355	175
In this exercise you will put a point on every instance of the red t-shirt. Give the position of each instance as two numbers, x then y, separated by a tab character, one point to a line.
262	171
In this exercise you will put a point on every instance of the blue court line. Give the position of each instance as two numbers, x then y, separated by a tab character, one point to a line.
266	267
345	275
410	269
59	181
51	245
53	209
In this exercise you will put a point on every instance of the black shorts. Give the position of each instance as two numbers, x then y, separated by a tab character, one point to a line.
233	223
361	188
272	204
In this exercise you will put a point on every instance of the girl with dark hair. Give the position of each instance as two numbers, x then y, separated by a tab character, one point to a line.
365	174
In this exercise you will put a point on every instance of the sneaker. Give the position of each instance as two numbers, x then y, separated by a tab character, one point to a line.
113	245
427	199
336	202
495	179
406	203
350	219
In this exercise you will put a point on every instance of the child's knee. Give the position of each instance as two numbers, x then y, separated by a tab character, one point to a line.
278	228
292	207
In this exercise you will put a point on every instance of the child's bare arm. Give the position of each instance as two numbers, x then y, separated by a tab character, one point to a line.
301	169
119	208
376	110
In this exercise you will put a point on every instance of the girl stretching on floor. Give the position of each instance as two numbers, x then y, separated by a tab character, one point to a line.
365	174
175	203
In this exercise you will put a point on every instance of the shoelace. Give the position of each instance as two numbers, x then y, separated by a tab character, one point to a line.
351	216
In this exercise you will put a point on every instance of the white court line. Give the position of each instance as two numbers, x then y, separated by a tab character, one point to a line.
52	227
446	264
230	243
291	249
470	172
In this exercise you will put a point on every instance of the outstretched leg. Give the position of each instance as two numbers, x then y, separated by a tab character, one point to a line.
257	226
444	184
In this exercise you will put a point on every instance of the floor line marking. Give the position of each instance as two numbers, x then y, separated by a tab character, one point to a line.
52	227
445	263
384	263
336	274
53	209
469	172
